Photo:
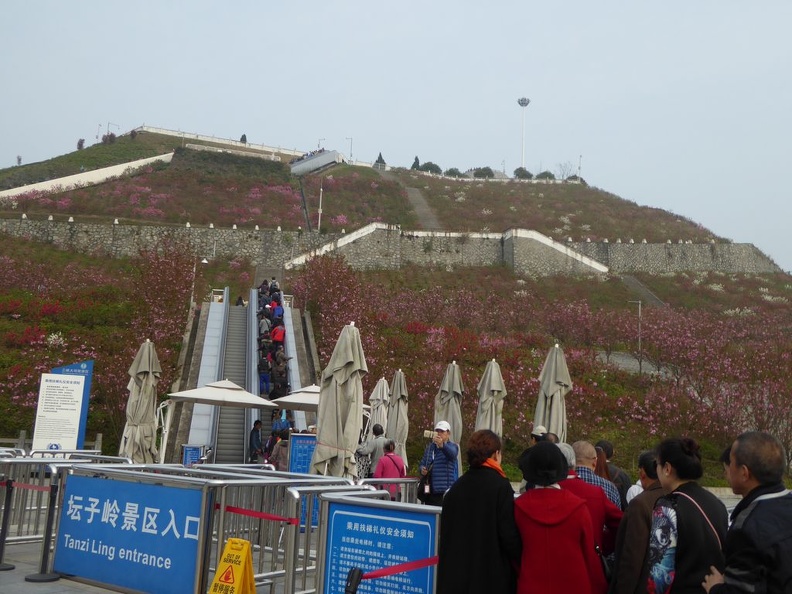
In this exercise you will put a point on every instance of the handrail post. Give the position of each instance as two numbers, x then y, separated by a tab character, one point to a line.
43	576
4	527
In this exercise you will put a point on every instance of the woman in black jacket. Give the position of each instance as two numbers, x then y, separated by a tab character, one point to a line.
479	543
688	525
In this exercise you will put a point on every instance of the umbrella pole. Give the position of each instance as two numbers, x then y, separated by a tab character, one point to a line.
166	425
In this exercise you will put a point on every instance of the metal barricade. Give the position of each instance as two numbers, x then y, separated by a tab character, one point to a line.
405	489
302	543
251	504
61	453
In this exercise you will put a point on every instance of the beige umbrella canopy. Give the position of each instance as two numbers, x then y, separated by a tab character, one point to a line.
223	393
138	439
448	404
340	414
491	392
554	384
398	423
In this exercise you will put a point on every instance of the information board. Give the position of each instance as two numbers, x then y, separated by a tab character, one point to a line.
84	369
191	454
372	538
59	410
301	449
133	535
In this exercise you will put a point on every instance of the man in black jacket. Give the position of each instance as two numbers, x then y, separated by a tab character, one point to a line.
758	546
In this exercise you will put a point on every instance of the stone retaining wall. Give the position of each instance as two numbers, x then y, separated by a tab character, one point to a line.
379	246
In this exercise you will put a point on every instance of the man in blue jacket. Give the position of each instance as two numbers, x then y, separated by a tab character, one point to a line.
441	457
758	546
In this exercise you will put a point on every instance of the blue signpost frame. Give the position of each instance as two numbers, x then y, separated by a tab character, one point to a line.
139	536
371	536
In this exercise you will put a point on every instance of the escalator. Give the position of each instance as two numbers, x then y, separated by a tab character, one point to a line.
231	427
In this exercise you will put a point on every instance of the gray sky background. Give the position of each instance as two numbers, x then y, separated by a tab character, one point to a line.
678	105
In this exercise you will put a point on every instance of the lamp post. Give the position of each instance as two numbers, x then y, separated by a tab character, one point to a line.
640	349
319	144
523	102
319	222
349	138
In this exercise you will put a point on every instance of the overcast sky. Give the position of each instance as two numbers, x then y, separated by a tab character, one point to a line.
679	105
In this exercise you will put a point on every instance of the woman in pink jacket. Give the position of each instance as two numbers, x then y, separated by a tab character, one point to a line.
390	465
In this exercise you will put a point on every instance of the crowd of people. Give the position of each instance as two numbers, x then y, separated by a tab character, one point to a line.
573	529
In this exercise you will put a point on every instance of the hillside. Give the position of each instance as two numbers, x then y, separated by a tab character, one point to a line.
720	346
225	189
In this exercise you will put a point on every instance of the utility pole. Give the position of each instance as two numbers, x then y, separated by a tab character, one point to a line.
640	348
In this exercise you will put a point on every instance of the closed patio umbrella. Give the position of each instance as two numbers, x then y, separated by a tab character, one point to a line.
379	400
340	414
448	404
491	392
398	423
138	441
554	384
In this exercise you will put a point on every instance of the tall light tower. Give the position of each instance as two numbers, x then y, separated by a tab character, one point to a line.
523	102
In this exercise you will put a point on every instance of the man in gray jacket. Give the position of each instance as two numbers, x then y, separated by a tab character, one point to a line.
373	447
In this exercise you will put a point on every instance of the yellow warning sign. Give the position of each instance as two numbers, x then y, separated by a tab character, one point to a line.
234	573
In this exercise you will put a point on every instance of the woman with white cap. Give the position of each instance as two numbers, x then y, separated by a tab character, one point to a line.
440	458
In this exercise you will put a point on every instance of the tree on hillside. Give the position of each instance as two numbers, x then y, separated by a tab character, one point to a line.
453	172
483	173
380	160
522	173
430	167
19	160
81	144
108	138
416	164
566	170
243	138
545	175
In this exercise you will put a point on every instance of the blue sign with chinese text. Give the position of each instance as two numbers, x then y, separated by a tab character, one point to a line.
138	536
375	537
301	449
85	369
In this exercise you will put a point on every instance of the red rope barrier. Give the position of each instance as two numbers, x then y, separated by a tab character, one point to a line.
400	568
257	514
30	487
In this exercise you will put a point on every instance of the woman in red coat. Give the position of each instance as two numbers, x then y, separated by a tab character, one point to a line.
558	555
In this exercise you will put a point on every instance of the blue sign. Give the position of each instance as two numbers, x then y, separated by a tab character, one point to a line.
84	368
191	454
133	535
301	449
375	537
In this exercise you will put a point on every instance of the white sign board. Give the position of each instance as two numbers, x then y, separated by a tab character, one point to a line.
59	411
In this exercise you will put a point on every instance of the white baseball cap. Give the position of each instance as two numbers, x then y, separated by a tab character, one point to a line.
539	430
442	426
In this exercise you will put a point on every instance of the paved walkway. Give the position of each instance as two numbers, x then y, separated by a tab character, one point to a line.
426	216
26	559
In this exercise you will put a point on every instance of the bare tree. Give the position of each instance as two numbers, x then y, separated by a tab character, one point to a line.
566	170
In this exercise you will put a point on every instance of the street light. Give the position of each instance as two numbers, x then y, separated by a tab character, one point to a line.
319	144
640	350
523	102
349	138
319	222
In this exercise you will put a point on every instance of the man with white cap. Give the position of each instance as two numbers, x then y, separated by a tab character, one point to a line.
440	458
539	433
